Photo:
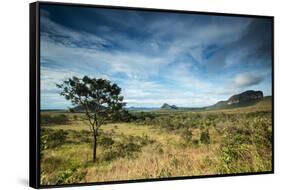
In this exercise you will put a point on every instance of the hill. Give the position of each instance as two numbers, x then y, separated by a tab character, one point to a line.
167	106
247	98
244	99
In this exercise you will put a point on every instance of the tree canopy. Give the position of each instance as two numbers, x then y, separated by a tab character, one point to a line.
99	98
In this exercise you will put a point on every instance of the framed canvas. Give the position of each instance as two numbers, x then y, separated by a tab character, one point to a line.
121	94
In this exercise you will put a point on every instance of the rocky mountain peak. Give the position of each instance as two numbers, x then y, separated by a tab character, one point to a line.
245	96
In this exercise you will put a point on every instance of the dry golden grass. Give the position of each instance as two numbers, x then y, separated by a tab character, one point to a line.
175	159
150	164
167	156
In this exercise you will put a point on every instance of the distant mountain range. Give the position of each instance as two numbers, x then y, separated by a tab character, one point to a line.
243	99
167	106
132	108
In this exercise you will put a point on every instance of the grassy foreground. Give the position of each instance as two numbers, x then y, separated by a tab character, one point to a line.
158	145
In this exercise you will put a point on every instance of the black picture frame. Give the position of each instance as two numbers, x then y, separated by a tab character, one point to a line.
34	92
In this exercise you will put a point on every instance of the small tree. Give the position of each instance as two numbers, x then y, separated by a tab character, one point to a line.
98	98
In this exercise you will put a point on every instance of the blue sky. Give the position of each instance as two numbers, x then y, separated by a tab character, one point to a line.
188	60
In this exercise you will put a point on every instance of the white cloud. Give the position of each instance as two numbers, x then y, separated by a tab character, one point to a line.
137	90
142	67
247	79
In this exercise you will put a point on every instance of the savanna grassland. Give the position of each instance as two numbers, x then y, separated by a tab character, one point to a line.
156	144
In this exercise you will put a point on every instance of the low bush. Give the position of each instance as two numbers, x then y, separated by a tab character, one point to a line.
120	149
105	141
126	146
186	135
250	143
205	137
60	119
195	142
52	138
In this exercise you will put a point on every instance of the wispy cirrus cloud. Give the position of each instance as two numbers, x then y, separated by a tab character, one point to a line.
186	60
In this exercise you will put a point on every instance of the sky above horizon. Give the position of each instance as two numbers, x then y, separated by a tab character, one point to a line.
188	60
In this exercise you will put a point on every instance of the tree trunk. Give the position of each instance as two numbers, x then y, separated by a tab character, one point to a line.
95	148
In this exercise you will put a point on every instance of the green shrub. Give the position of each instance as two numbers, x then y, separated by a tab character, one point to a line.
205	137
52	138
105	141
64	176
121	149
75	117
144	140
77	137
45	119
195	142
127	146
187	135
231	153
247	146
71	175
263	132
60	119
